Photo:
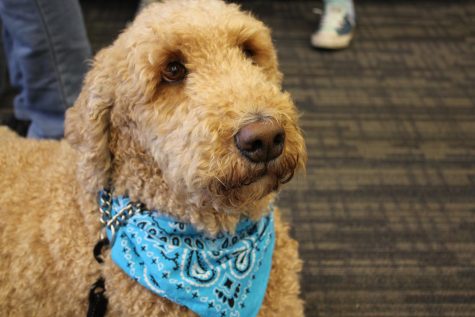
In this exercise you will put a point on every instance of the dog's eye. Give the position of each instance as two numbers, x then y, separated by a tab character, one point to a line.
175	71
248	52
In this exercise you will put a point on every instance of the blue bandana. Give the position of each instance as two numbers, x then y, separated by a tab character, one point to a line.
222	276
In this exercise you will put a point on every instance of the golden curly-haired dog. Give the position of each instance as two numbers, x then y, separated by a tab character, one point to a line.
184	112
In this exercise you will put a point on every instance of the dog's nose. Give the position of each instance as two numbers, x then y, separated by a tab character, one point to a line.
261	141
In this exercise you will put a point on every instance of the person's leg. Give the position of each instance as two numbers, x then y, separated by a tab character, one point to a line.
336	25
47	51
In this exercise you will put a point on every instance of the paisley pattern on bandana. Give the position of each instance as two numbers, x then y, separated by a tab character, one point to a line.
221	276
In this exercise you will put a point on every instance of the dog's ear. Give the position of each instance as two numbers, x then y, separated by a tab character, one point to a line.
88	121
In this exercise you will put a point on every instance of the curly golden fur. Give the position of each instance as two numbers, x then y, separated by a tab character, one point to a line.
168	145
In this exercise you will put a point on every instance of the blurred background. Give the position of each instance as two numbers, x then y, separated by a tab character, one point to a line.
385	216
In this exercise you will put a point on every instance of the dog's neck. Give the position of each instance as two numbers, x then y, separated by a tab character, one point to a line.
136	174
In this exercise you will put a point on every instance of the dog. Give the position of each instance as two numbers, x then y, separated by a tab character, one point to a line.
183	113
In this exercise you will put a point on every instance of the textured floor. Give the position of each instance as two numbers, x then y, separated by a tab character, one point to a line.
386	214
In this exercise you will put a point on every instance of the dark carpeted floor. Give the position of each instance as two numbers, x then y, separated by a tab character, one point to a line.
386	214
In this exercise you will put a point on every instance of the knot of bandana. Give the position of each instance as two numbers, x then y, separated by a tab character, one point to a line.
221	276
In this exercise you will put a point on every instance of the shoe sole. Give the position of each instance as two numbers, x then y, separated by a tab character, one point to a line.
334	43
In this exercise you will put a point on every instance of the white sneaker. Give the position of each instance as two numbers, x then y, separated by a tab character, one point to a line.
336	26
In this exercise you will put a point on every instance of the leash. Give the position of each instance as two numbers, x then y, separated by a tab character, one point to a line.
97	298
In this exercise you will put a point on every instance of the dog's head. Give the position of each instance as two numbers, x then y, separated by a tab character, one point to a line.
190	93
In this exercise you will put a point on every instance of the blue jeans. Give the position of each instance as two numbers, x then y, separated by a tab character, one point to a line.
47	51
